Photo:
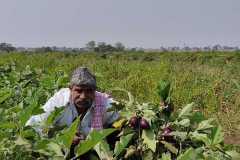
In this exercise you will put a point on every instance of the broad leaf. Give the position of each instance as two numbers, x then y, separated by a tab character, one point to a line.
206	124
16	108
190	154
234	155
166	156
148	155
163	89
148	137
4	94
148	114
52	117
197	117
41	146
103	150
217	135
184	123
181	135
32	108
68	134
7	125
201	137
186	111
119	123
121	145
92	139
23	142
170	147
56	149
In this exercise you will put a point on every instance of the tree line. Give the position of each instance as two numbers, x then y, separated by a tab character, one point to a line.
91	46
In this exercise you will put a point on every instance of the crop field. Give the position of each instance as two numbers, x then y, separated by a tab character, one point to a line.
211	80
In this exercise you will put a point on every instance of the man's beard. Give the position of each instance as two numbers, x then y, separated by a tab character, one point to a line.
84	104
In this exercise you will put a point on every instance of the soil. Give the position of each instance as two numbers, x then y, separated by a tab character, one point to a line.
232	139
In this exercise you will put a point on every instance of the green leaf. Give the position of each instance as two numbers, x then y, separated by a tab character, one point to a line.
148	137
190	154
52	117
7	125
23	142
197	117
130	96
41	146
186	111
120	145
92	139
103	150
236	84
126	114
163	89
217	135
183	123
5	94
68	134
201	137
147	113
56	149
27	112
206	124
166	156
16	108
181	135
29	134
115	106
148	155
170	147
234	155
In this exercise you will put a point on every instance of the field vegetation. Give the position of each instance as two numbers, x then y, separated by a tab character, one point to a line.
209	79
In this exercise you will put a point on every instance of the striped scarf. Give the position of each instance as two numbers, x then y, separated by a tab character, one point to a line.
99	110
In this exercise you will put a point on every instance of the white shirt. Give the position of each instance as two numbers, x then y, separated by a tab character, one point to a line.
61	99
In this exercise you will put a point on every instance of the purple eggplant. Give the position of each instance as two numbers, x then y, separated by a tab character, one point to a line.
133	122
144	124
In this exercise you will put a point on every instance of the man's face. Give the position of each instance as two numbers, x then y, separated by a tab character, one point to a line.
82	96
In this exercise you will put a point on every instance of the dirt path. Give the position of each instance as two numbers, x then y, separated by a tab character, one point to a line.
232	139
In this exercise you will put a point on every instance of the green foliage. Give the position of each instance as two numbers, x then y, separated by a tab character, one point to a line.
103	150
92	139
163	89
149	139
210	80
68	134
122	144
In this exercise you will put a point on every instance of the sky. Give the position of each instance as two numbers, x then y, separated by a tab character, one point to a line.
135	23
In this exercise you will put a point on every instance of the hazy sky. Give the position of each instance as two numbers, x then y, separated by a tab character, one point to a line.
142	23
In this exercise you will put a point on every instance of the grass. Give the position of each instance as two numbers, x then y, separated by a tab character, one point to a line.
210	79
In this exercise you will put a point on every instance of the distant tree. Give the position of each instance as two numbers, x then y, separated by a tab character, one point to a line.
44	49
6	47
47	49
103	47
119	46
91	45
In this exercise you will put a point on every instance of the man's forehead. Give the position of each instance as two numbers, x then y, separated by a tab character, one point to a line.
81	87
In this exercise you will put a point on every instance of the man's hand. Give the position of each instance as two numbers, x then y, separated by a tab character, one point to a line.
78	137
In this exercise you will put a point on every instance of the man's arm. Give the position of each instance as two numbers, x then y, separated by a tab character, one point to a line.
59	99
112	116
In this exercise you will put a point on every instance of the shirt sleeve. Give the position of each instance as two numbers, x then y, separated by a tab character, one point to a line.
112	116
59	99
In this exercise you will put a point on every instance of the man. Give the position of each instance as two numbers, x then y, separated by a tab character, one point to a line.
80	99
